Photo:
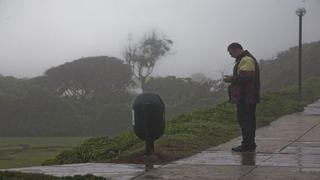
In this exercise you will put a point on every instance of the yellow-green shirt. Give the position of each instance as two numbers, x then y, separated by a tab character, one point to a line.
246	64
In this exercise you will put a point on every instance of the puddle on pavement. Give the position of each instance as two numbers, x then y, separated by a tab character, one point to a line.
226	158
308	169
248	159
148	167
306	148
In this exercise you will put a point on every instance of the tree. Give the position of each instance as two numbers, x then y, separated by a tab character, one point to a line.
282	70
184	91
87	77
143	57
199	77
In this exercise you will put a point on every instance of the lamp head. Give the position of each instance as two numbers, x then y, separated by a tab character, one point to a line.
301	11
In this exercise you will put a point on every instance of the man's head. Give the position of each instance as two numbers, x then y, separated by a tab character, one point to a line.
235	49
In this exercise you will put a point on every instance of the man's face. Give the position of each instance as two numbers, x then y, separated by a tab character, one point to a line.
233	53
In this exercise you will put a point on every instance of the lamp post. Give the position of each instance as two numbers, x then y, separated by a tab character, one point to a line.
300	12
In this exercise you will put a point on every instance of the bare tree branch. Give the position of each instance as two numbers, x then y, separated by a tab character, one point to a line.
142	57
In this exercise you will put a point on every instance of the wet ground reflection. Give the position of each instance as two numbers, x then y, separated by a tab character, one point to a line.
226	158
148	167
248	158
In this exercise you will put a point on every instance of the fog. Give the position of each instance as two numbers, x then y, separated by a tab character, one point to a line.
38	34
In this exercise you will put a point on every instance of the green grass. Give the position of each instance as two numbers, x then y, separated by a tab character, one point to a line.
192	132
32	151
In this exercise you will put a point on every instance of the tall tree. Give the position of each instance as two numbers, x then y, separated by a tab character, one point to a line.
86	77
142	57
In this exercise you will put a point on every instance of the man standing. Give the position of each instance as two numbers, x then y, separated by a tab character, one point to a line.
244	91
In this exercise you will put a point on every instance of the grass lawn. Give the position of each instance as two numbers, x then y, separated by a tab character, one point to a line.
191	132
33	151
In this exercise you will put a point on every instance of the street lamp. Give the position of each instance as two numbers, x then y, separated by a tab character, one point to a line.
300	12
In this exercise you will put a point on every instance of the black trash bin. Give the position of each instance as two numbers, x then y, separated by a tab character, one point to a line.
148	118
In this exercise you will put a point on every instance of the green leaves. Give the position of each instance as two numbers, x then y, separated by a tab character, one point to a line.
87	77
100	148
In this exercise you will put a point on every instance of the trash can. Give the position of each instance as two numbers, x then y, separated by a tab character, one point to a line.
148	118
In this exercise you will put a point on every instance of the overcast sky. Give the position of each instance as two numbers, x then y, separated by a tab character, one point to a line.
38	34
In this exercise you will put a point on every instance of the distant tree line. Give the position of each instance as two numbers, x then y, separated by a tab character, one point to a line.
93	96
282	70
84	97
87	97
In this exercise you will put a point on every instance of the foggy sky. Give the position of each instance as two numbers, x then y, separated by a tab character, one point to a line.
36	35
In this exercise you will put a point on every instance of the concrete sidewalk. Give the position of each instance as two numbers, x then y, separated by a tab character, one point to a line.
287	149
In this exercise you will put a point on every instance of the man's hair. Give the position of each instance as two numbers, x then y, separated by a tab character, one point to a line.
235	46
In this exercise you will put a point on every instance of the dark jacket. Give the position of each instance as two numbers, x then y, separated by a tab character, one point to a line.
245	84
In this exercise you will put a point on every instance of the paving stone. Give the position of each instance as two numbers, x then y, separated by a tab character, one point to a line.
194	171
107	170
225	158
281	173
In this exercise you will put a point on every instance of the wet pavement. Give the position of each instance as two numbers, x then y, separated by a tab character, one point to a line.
107	170
313	109
289	148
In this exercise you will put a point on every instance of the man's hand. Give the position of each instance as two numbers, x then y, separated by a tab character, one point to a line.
227	78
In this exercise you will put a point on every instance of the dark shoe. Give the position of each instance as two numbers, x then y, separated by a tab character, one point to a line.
243	149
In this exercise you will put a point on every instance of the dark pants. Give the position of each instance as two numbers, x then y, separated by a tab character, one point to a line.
246	114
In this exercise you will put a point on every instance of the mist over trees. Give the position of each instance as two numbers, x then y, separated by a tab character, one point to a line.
27	109
282	70
86	97
186	92
92	96
88	77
